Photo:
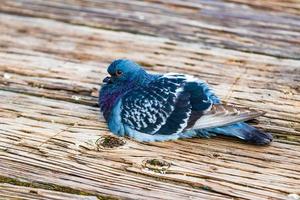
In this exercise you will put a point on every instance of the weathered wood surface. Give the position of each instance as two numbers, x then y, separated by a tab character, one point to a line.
8	191
53	56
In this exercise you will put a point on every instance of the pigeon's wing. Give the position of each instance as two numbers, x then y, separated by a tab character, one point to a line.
209	112
222	115
175	103
160	107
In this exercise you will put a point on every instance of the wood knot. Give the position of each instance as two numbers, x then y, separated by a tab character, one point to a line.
156	165
109	142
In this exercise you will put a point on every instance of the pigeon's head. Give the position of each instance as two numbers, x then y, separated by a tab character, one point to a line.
122	70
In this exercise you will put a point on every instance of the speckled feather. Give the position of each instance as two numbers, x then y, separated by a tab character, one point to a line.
160	107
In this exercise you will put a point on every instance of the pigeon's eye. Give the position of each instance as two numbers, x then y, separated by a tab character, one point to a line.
119	73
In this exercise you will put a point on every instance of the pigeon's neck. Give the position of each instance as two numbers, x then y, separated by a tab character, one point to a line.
110	94
143	78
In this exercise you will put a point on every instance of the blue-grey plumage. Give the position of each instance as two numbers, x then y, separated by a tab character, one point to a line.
150	107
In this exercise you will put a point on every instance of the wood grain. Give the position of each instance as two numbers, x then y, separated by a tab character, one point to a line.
8	191
237	26
54	54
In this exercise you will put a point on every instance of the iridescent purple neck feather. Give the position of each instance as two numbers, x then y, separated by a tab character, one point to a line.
110	93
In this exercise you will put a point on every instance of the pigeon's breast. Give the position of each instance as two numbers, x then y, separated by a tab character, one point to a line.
107	100
109	96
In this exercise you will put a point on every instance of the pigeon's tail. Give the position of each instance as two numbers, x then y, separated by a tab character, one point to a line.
245	132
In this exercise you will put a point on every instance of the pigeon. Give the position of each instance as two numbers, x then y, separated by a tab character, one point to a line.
160	107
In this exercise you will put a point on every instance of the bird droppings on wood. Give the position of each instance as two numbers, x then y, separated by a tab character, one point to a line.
156	165
109	142
76	98
6	76
293	197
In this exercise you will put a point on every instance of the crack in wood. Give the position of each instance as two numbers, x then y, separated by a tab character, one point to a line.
51	187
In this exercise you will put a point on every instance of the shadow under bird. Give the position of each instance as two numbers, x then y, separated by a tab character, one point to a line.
150	107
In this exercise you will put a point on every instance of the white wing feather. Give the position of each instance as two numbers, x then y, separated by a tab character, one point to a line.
222	115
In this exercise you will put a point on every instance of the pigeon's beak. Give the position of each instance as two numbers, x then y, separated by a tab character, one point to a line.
107	79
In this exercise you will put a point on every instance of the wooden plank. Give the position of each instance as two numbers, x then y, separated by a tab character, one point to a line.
49	125
230	25
65	153
291	6
8	191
